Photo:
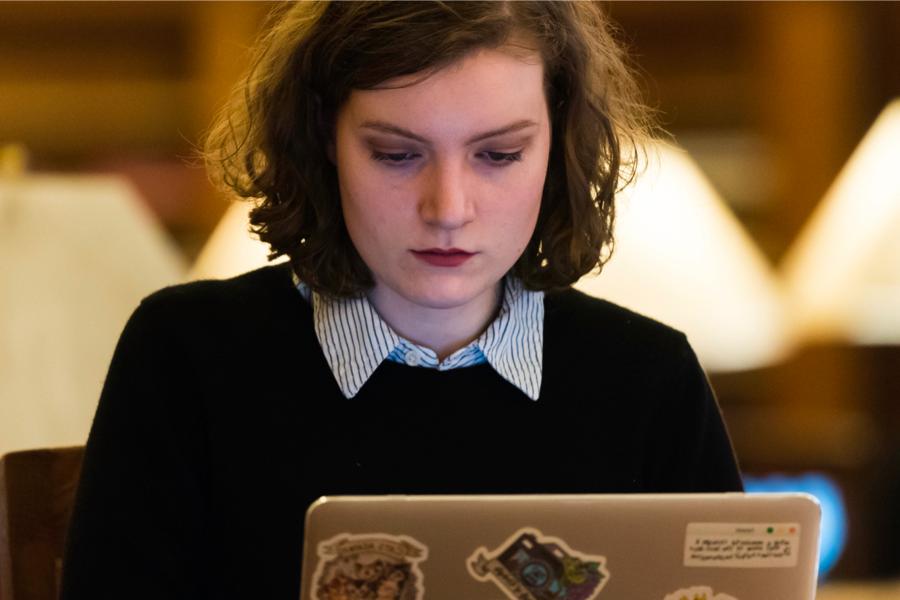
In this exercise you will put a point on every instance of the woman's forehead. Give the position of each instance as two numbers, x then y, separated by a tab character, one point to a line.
484	90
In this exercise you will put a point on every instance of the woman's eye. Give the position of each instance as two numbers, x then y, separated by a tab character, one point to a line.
393	157
501	159
497	159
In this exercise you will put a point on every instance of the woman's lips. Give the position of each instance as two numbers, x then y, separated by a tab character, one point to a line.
440	257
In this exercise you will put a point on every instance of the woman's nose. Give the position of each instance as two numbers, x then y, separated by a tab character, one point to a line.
445	201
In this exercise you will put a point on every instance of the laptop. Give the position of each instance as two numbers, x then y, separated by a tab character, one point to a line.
562	547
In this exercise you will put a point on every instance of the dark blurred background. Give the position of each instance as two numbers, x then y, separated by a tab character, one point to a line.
769	98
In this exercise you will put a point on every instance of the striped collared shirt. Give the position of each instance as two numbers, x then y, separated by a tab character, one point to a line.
355	340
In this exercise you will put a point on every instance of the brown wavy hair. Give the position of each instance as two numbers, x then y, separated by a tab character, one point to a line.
269	142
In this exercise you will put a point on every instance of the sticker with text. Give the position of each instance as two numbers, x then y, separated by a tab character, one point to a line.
741	545
701	592
531	566
369	567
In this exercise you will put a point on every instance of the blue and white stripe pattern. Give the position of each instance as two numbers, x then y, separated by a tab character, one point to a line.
355	340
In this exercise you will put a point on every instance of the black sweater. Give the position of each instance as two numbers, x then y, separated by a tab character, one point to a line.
220	422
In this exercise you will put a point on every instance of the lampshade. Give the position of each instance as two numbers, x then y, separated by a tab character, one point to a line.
843	273
681	257
231	249
77	254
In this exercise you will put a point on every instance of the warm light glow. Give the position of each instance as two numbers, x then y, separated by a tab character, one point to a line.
231	249
843	272
682	258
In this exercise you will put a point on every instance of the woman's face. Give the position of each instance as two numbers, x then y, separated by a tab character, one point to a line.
441	181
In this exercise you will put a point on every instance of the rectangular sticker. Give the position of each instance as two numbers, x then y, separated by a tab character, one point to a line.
741	545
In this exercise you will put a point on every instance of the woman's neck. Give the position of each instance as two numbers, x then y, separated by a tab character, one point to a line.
444	330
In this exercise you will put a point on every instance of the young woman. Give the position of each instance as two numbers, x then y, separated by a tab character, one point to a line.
439	175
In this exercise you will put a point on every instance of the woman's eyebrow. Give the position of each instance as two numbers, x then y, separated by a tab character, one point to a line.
386	127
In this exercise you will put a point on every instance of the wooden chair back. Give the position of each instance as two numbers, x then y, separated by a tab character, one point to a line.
37	490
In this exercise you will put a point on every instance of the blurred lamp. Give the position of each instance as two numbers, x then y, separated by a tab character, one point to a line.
231	249
77	254
681	257
843	272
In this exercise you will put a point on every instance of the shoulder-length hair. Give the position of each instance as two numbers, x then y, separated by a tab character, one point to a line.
270	142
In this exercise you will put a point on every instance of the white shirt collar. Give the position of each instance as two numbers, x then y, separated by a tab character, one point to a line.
355	340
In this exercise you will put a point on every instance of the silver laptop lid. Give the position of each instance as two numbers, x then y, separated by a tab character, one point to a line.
575	547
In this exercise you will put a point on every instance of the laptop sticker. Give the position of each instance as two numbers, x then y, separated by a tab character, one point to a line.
741	545
369	567
697	593
531	566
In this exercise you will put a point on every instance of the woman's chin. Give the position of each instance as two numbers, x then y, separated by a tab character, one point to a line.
448	293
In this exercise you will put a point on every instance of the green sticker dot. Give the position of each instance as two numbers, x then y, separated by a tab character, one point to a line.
770	529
